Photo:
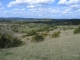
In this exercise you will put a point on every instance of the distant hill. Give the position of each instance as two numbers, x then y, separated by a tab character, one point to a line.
44	20
18	18
15	18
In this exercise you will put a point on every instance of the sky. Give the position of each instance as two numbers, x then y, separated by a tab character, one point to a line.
40	8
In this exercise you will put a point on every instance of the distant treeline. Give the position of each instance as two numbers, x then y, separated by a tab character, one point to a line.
45	21
57	21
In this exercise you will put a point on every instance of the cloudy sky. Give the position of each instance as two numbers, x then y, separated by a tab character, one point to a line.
40	8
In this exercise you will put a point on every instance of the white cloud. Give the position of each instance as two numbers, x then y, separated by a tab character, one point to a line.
54	11
2	8
30	6
76	6
44	11
41	8
62	2
6	11
16	9
78	10
70	6
0	4
67	11
30	2
69	2
23	9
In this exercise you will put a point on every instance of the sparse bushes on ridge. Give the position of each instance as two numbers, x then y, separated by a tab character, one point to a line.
77	30
7	41
56	34
37	38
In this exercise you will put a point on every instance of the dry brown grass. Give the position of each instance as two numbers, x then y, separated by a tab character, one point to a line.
66	47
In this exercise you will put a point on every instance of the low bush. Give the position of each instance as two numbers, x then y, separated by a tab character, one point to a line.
77	30
28	39
37	38
59	32
7	41
44	29
44	34
40	30
33	32
16	42
56	34
64	28
55	27
24	36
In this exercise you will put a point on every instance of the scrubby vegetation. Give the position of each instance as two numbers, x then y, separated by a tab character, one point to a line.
44	34
30	33
77	30
56	34
64	28
37	38
38	42
7	41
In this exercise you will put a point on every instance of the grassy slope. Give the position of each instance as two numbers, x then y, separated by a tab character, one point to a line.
66	47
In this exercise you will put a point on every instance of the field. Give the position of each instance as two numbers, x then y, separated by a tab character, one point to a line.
64	47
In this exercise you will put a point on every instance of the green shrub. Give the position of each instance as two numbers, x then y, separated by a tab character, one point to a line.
47	28
7	41
55	27
28	39
64	28
59	32
40	30
4	41
44	34
77	30
33	32
30	33
56	34
24	36
37	38
16	42
43	29
0	29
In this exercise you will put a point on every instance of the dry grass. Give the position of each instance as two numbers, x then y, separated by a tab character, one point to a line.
66	47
